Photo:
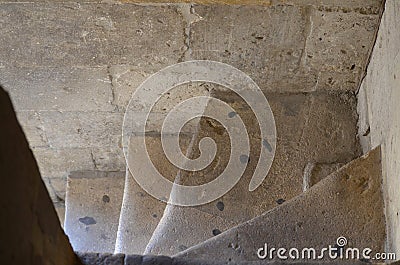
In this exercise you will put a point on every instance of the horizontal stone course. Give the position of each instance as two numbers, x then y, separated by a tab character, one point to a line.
84	34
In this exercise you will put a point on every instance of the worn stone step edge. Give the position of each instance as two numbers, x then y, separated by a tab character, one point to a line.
122	259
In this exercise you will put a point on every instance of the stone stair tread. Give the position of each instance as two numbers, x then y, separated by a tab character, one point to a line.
347	203
122	259
93	203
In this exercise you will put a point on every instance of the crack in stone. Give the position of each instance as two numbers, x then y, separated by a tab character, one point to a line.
111	78
190	17
96	167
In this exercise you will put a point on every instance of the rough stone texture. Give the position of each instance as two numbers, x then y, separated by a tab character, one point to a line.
93	205
315	172
84	34
71	66
30	230
317	128
288	48
379	110
347	203
140	212
121	259
182	227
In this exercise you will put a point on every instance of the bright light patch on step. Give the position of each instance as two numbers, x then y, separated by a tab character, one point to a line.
159	84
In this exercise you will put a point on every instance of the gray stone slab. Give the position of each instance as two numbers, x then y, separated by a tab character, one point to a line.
290	48
267	43
93	204
348	203
82	129
57	162
58	88
84	34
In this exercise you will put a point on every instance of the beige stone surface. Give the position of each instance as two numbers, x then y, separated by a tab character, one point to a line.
348	203
317	128
93	204
71	66
379	111
140	212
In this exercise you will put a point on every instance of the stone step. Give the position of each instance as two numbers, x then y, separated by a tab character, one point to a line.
140	212
93	203
122	259
315	136
348	203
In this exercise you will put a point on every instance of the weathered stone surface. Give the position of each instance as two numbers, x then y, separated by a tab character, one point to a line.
93	204
378	107
33	128
82	129
315	172
88	258
140	212
347	203
311	128
338	46
265	42
56	188
115	259
30	230
84	34
109	158
289	48
79	57
55	163
58	88
181	227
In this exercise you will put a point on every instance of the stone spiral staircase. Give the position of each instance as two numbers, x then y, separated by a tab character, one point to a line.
319	188
309	58
301	203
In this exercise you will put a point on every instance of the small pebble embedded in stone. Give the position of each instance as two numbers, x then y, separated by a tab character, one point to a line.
106	199
220	206
87	220
216	232
280	201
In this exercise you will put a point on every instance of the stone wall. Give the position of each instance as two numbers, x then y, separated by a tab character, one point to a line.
71	66
30	231
379	110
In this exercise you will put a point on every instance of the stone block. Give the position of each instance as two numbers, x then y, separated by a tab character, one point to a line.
58	88
82	129
88	34
267	43
338	45
57	162
93	204
101	258
33	128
